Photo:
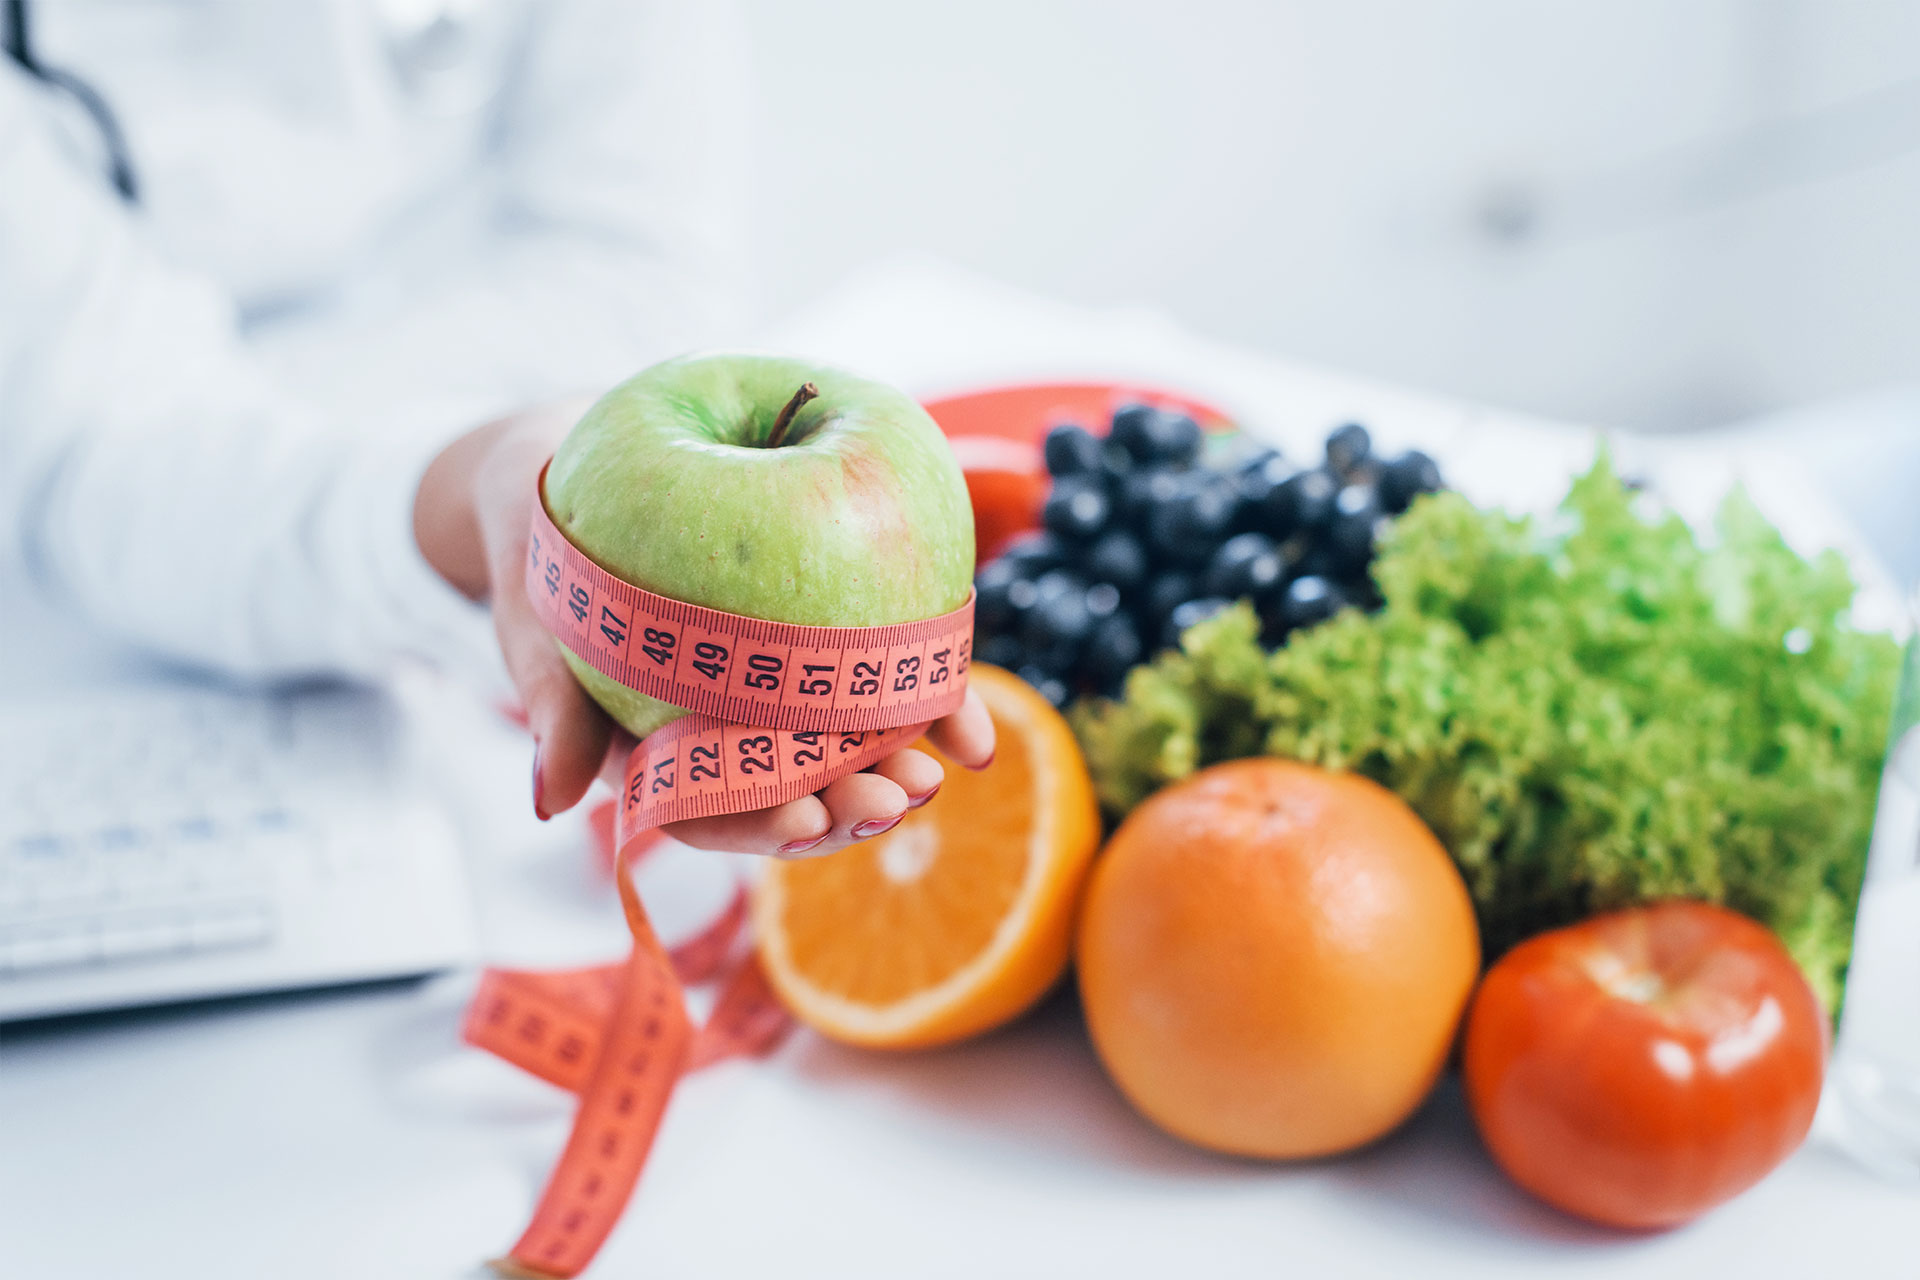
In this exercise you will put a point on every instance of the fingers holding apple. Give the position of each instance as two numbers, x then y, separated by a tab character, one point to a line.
470	520
865	803
824	823
966	736
571	734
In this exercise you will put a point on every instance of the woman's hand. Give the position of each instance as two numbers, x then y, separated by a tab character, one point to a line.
471	518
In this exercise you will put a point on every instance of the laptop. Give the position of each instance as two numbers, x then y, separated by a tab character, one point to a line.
166	838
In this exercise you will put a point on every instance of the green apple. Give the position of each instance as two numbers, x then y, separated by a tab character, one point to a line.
717	480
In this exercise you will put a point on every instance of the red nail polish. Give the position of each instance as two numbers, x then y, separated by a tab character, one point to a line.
539	806
874	826
792	847
914	802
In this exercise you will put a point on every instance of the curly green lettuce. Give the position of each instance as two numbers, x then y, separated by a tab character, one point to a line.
1589	713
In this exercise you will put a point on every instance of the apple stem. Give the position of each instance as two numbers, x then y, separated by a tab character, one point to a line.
806	392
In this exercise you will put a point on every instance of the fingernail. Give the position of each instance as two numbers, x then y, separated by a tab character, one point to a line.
914	802
792	847
874	826
985	764
539	805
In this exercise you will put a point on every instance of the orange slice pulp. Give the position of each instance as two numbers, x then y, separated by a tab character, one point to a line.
959	918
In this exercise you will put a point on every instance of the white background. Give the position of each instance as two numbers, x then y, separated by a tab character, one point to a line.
1719	197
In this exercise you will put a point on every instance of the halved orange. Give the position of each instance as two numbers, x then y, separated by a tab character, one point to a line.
960	917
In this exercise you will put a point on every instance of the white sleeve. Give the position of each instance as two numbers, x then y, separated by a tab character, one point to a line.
605	230
154	481
155	478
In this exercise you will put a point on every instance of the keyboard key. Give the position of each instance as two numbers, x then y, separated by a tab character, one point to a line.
122	839
48	947
79	884
145	879
144	934
198	830
42	849
231	926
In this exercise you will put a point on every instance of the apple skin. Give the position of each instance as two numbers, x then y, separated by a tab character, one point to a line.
859	518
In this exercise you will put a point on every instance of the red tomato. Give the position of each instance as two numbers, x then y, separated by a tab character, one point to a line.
1640	1068
1007	483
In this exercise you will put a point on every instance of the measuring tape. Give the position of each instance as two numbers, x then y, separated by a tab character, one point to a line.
776	711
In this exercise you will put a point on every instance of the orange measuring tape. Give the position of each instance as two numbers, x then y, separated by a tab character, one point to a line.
776	712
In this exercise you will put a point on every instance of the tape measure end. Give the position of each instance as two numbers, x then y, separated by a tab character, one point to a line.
513	1269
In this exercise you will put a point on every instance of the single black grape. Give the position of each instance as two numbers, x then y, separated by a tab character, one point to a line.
1350	534
1173	438
1211	509
1256	484
1058	582
1001	651
1111	650
1103	601
1116	556
1147	488
1022	595
1132	429
1189	613
1163	521
1164	593
1310	599
991	608
1246	565
1347	448
1116	466
1406	478
1077	508
1058	621
1071	449
1186	529
1034	553
1303	500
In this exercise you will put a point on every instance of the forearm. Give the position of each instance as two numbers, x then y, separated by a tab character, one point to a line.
445	524
252	546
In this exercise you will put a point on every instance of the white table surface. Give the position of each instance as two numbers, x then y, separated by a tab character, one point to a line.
349	1134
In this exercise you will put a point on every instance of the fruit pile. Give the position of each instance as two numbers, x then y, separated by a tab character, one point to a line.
1276	957
1277	960
1143	537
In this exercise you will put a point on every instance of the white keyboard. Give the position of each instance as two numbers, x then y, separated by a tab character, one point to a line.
178	842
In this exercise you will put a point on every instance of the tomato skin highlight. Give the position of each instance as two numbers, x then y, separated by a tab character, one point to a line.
1006	483
1641	1067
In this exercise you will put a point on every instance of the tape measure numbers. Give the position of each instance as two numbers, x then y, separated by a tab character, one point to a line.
778	710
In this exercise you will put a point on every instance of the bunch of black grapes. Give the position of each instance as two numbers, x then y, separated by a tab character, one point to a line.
1143	539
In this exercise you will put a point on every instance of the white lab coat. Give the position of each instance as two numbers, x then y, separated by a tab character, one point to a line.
364	227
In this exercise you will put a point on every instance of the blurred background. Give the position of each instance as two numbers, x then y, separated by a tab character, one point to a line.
1632	213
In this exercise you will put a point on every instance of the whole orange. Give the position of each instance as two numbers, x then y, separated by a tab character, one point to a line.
1274	958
